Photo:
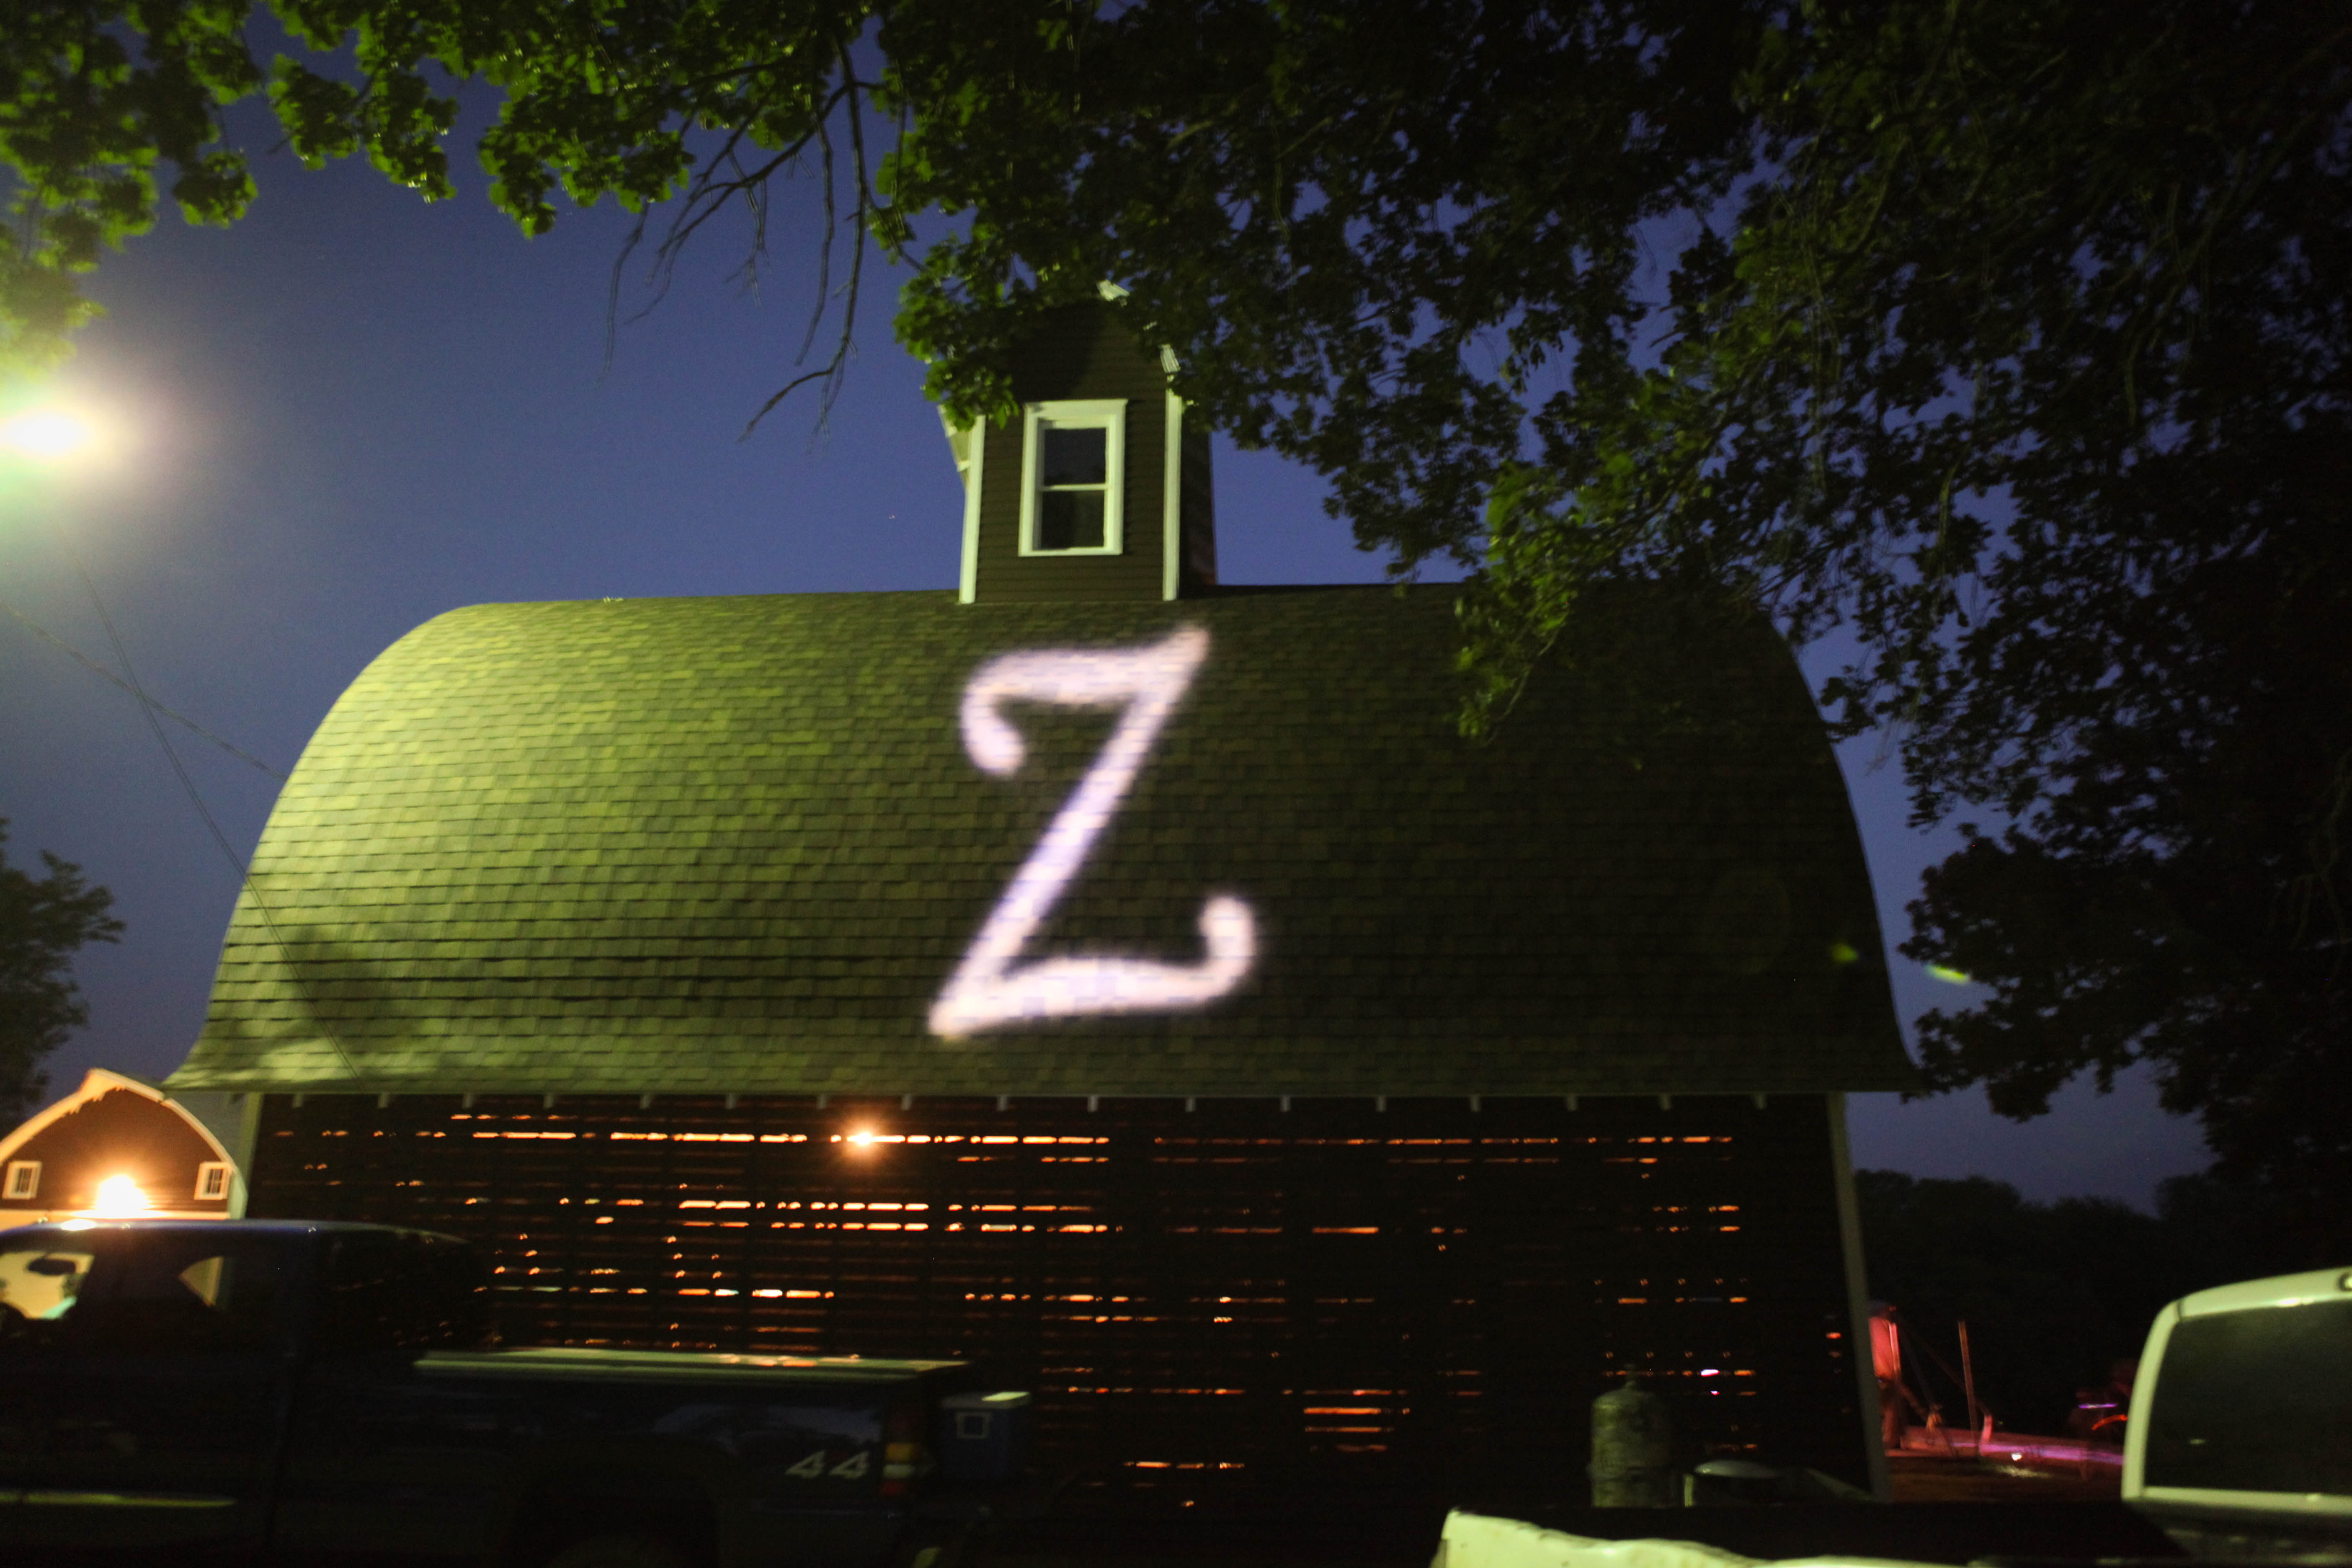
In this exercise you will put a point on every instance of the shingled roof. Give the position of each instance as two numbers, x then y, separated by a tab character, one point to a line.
742	844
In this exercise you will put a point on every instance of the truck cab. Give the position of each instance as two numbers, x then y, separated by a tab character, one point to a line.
311	1388
2240	1442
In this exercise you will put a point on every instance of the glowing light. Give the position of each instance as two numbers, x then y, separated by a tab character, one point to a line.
1842	952
1948	977
863	1138
119	1197
45	435
986	992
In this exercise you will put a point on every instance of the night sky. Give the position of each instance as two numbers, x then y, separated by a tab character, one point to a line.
355	411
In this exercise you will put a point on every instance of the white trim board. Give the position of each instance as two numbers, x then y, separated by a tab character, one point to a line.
975	460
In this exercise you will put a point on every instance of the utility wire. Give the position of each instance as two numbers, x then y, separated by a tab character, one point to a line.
95	667
148	706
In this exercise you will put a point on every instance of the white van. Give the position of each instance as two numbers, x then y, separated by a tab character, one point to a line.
2239	1441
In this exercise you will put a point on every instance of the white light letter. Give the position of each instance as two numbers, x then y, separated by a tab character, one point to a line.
987	991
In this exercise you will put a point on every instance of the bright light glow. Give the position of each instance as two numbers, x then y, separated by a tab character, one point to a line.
47	434
119	1197
1948	977
986	992
863	1137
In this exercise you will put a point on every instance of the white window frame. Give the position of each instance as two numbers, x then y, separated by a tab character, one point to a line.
1104	414
208	1174
24	1182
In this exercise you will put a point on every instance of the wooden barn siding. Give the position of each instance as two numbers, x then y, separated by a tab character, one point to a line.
1100	363
1197	510
1334	1292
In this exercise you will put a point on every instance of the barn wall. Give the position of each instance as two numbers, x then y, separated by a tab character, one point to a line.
1421	1293
113	1132
1196	511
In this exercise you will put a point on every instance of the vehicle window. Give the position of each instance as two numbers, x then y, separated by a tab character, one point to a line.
41	1284
2254	1401
405	1291
165	1294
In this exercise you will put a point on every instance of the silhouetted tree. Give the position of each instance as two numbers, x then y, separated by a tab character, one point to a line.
43	922
2055	1294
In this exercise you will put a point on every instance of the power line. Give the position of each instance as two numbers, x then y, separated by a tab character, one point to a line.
95	667
148	707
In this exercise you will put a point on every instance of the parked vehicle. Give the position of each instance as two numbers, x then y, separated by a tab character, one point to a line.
297	1389
2239	1441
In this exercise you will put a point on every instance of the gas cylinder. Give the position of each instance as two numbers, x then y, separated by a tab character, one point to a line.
1633	1449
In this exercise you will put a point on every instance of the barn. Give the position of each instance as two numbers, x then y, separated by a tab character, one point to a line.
1130	979
117	1147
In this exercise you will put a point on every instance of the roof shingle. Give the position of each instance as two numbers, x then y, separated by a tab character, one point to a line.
739	844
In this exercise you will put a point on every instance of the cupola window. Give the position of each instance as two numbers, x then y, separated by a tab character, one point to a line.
1074	463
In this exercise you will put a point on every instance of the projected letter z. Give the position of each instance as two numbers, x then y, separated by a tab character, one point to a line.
987	991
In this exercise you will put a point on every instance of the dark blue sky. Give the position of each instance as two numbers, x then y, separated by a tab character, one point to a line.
354	411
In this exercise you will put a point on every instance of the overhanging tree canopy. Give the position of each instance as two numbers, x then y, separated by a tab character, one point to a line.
2010	334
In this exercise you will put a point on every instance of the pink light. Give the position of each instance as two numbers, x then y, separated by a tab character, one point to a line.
986	991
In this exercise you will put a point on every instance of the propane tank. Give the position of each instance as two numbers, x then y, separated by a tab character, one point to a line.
1633	1449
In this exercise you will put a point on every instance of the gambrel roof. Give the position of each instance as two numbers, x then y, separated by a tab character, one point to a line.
743	844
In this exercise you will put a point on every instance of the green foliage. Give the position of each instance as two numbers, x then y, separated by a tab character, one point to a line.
2007	335
2053	1294
598	100
42	923
1362	229
82	125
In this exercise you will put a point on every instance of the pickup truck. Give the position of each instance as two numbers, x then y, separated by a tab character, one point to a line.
2240	1443
293	1391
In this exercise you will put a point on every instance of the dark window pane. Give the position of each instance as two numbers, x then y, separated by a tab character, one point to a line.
163	1293
1076	456
405	1291
1070	519
2254	1401
40	1285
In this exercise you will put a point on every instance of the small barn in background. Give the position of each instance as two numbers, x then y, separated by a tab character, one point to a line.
117	1147
1127	980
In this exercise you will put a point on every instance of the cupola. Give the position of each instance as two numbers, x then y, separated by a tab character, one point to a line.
1098	491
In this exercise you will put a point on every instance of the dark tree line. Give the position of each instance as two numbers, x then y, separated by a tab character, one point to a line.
43	920
2054	1294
